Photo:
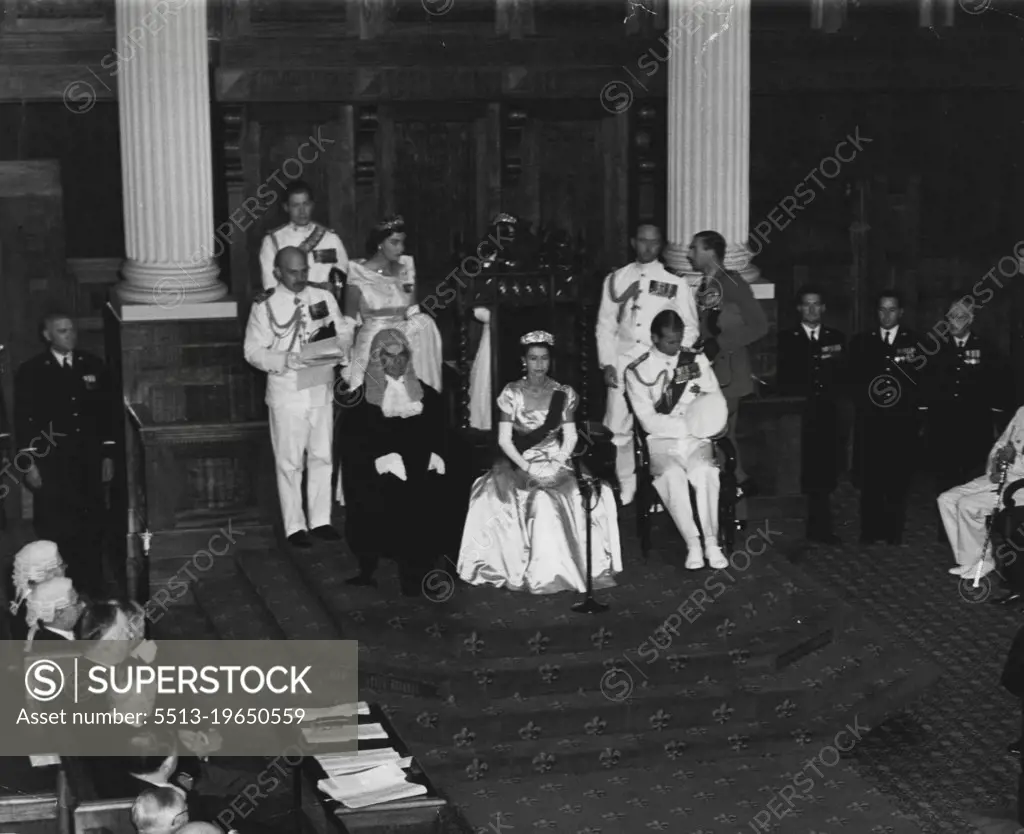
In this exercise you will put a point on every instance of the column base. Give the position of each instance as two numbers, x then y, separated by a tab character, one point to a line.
170	285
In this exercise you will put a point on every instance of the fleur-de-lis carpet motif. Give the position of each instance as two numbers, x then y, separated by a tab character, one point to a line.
668	715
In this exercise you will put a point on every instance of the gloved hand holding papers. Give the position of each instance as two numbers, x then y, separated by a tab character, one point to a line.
320	359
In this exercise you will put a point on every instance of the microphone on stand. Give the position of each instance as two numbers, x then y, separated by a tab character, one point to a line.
586	483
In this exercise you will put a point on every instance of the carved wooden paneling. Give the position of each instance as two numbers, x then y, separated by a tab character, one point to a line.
617	197
572	180
309	13
519	171
648	151
341	177
488	168
435	190
70	16
366	146
514	18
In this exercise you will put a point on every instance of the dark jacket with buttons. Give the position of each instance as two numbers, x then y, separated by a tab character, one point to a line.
61	412
967	398
815	371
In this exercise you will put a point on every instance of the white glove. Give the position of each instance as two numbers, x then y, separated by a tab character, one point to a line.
391	465
412	311
436	464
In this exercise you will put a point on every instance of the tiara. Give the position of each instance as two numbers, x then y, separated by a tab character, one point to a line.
537	337
390	224
505	218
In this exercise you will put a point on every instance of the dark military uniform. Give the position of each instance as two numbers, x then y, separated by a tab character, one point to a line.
964	394
814	370
886	380
64	419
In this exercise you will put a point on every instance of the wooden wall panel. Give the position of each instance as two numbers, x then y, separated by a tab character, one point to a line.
435	182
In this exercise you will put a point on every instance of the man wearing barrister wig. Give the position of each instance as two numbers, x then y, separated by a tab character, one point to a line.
631	298
52	609
677	399
393	465
965	508
297	335
35	563
325	253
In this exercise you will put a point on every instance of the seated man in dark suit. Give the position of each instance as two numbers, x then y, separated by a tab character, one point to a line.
392	467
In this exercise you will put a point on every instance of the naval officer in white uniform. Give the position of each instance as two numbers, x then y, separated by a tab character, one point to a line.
679	403
281	323
323	249
631	298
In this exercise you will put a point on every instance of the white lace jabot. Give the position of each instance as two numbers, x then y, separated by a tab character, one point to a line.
397	402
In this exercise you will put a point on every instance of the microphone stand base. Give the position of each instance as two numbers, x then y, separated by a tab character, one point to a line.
589	606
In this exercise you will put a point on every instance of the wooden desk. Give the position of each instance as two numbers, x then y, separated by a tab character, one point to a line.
418	815
33	800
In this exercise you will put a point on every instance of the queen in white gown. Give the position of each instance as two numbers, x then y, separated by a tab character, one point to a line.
526	526
381	295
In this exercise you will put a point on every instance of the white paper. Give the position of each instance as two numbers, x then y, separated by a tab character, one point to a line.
322	734
386	783
406	791
337	711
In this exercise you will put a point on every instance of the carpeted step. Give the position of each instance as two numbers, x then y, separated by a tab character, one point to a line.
235	609
295	608
693	704
707	797
472	633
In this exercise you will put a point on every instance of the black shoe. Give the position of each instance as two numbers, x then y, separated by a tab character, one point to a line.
300	539
870	540
362	581
1014	747
895	541
326	533
1012	598
825	538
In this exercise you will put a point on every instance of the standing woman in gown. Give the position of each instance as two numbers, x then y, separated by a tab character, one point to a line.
381	295
526	527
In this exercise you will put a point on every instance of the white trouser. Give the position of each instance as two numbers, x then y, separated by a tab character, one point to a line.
963	510
302	435
618	419
675	465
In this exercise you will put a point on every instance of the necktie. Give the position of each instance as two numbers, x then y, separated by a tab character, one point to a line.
888	337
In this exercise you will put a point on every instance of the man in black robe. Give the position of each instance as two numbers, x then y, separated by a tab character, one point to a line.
393	467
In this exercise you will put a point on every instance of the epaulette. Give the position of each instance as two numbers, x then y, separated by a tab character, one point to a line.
636	362
263	295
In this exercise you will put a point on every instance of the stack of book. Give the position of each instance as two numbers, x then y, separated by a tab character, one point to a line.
361	778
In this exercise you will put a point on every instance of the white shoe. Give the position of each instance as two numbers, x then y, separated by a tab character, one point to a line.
694	556
716	558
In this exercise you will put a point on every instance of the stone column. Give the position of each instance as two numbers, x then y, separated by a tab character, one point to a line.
166	155
709	129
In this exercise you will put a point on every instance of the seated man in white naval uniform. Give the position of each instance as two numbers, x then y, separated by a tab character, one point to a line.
676	397
964	508
631	298
281	323
323	249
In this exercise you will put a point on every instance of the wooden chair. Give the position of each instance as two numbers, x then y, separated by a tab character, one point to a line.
647	496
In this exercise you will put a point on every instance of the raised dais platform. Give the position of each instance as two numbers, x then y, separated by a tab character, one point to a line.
656	713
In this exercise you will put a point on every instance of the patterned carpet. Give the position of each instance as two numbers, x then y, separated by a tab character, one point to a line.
946	756
520	763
